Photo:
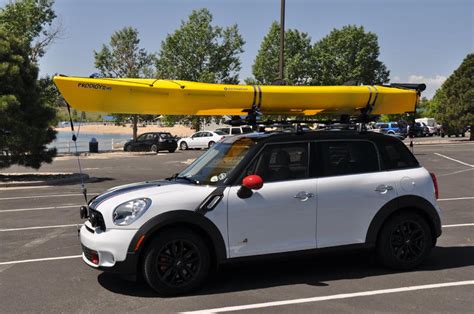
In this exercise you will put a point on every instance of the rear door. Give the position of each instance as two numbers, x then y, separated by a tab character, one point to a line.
351	190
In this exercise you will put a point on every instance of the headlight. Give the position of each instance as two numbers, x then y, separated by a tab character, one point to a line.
128	212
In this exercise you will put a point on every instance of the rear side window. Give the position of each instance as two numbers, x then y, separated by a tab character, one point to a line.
395	155
246	129
346	157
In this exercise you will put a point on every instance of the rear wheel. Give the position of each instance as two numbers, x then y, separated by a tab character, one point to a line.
176	262
183	146
404	241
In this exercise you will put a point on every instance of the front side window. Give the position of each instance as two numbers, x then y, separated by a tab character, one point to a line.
196	135
338	158
281	162
222	131
217	163
142	137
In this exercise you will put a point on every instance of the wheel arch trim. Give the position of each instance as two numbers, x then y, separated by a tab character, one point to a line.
411	202
177	217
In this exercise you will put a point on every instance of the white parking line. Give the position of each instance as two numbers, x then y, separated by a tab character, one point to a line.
458	225
37	208
38	196
40	259
458	161
40	227
26	187
335	297
456	199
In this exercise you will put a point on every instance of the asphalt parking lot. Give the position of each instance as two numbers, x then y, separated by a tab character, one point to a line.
41	271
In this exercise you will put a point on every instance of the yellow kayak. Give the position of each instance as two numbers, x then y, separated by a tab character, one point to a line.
172	97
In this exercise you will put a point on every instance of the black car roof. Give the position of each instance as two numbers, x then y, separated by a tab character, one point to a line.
275	137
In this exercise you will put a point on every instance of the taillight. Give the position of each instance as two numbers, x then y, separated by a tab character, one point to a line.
435	184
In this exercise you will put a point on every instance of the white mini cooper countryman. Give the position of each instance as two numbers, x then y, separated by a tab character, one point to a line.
264	194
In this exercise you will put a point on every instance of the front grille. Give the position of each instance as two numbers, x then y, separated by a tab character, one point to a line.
99	219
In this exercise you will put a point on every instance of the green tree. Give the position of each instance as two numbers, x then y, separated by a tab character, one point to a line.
24	116
201	52
455	99
31	21
299	66
349	54
124	58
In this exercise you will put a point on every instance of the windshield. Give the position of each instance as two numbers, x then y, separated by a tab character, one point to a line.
218	162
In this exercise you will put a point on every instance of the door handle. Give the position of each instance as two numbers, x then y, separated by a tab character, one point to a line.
383	188
303	196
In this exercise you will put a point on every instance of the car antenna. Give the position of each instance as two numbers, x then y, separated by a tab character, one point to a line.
74	139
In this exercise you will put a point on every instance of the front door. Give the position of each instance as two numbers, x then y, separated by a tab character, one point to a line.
281	216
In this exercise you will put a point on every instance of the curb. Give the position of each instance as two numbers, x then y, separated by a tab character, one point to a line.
72	179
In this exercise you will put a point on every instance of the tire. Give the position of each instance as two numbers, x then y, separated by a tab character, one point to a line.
154	148
404	241
127	148
183	146
172	150
170	248
391	132
211	143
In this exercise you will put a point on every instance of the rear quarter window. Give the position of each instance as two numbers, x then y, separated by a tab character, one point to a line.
395	155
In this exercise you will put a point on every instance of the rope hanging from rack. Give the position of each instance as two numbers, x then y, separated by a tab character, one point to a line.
74	139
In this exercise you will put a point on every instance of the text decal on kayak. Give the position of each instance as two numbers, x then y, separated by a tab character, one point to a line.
93	86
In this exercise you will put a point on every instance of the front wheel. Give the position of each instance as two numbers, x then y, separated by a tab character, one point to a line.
172	150
176	262
404	241
211	143
154	148
183	146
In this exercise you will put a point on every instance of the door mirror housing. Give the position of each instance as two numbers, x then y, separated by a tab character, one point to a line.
249	183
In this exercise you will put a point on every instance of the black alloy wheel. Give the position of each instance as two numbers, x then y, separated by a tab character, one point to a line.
176	262
407	241
404	241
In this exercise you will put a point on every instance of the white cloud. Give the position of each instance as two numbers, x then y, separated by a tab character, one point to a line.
432	83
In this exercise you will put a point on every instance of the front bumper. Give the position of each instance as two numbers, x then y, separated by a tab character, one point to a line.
111	246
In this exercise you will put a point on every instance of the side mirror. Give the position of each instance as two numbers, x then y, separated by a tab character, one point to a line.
249	183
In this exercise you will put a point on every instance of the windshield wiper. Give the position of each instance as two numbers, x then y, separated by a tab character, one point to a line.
187	179
172	177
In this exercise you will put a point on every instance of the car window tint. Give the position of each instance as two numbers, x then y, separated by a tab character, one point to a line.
142	137
347	157
150	136
281	162
223	131
246	129
395	155
236	131
394	125
207	134
199	134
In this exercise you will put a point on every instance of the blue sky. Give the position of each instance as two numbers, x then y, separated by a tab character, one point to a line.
422	40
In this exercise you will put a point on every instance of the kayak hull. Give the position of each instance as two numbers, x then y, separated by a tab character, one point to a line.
149	96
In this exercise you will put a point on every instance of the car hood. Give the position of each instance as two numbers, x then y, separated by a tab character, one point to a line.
165	196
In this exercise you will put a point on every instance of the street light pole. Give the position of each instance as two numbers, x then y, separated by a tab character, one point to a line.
282	41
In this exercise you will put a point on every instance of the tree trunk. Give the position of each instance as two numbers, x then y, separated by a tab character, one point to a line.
135	126
196	125
471	136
